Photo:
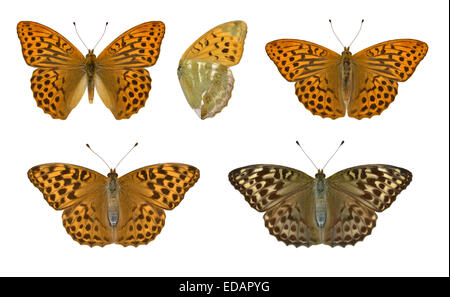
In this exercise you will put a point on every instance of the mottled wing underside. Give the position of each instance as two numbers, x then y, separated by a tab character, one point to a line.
60	81
223	44
204	73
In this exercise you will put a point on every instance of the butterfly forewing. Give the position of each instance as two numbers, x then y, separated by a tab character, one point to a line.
298	59
64	185
263	186
376	186
163	185
138	47
223	44
46	48
395	59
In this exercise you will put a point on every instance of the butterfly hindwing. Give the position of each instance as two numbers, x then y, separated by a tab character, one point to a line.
124	92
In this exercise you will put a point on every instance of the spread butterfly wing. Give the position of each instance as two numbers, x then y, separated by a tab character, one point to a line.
377	70
315	69
286	196
203	71
355	194
146	192
121	80
80	192
59	82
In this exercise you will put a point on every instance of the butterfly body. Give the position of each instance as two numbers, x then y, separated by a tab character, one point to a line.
329	84
63	73
112	189
302	210
320	200
100	210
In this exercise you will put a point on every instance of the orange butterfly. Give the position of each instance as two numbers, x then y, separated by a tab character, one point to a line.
63	73
364	84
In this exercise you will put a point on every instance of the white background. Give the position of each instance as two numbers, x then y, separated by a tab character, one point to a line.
214	231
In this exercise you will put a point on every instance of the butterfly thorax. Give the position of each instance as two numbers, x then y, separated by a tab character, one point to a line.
112	189
90	66
320	200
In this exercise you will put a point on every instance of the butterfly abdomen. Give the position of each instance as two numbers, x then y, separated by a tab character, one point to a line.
112	200
90	68
320	201
347	79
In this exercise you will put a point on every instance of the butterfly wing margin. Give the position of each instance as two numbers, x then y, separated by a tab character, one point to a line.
223	44
163	185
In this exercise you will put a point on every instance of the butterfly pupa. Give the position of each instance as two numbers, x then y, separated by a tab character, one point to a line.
363	84
301	210
101	210
203	71
63	74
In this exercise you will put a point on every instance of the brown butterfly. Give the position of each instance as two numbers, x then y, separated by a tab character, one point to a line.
338	210
63	73
100	210
364	84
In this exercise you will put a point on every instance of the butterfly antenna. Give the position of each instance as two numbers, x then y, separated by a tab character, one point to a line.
104	31
126	155
98	156
332	29
333	155
362	21
75	25
306	154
